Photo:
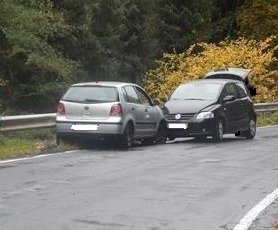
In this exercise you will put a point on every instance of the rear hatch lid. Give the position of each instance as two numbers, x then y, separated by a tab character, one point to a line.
228	73
89	102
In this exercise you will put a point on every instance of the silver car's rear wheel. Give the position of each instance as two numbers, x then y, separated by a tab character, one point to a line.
127	137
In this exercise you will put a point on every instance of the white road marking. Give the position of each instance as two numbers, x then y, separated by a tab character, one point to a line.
33	157
246	221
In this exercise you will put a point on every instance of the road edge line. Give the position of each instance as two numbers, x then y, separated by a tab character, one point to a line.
34	157
248	219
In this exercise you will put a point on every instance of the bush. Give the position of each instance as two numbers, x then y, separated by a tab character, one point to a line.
200	58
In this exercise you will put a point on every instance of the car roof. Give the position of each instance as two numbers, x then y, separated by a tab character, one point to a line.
103	83
241	72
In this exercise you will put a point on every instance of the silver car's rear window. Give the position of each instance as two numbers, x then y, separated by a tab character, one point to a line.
91	94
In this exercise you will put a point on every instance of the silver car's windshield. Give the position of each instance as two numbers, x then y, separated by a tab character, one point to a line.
91	94
196	91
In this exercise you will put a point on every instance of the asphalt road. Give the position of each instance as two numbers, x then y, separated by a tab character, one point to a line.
182	185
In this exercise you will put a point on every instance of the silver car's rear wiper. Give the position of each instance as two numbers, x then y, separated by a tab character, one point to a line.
185	99
92	100
197	99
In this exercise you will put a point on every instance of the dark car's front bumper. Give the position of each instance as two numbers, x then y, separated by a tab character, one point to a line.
191	128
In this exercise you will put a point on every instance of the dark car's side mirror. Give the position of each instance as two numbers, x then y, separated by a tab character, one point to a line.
229	98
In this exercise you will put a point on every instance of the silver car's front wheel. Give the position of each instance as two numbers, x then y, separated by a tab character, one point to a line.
161	136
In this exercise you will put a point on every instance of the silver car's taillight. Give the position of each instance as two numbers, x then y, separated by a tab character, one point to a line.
116	110
61	109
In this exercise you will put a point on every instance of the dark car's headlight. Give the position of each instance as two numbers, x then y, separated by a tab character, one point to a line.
205	115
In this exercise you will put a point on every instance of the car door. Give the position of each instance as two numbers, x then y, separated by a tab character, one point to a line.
231	108
244	105
140	108
150	117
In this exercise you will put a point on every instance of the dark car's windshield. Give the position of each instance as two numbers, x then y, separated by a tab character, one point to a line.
197	91
91	94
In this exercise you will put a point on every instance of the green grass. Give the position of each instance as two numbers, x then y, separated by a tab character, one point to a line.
267	118
29	142
17	147
32	142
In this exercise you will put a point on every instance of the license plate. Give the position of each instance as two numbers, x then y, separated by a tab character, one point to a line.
177	126
83	127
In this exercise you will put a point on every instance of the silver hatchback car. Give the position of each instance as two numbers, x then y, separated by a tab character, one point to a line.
117	111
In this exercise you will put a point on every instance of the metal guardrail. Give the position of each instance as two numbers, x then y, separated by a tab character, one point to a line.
13	123
265	107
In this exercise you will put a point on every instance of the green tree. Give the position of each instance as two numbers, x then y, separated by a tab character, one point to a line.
257	19
28	59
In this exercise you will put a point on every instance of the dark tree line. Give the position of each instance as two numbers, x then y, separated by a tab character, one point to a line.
45	45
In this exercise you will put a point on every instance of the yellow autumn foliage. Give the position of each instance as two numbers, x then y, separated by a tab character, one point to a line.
174	68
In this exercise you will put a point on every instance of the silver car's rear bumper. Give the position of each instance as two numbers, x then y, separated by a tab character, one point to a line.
89	128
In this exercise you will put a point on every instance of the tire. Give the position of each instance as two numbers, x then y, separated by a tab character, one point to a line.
127	137
218	131
250	133
161	135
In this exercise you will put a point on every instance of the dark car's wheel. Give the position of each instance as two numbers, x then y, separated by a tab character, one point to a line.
127	137
218	131
251	131
161	136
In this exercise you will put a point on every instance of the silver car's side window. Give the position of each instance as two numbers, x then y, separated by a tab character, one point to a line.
131	95
143	98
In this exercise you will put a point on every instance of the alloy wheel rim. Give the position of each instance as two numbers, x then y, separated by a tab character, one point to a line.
220	130
252	128
129	136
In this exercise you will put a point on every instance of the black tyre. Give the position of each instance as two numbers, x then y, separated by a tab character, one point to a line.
127	137
250	133
161	135
218	131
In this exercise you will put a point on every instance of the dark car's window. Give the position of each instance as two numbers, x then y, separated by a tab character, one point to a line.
143	97
241	90
230	89
91	94
130	95
197	91
225	76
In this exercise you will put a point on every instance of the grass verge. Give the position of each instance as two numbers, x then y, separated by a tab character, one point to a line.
30	142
